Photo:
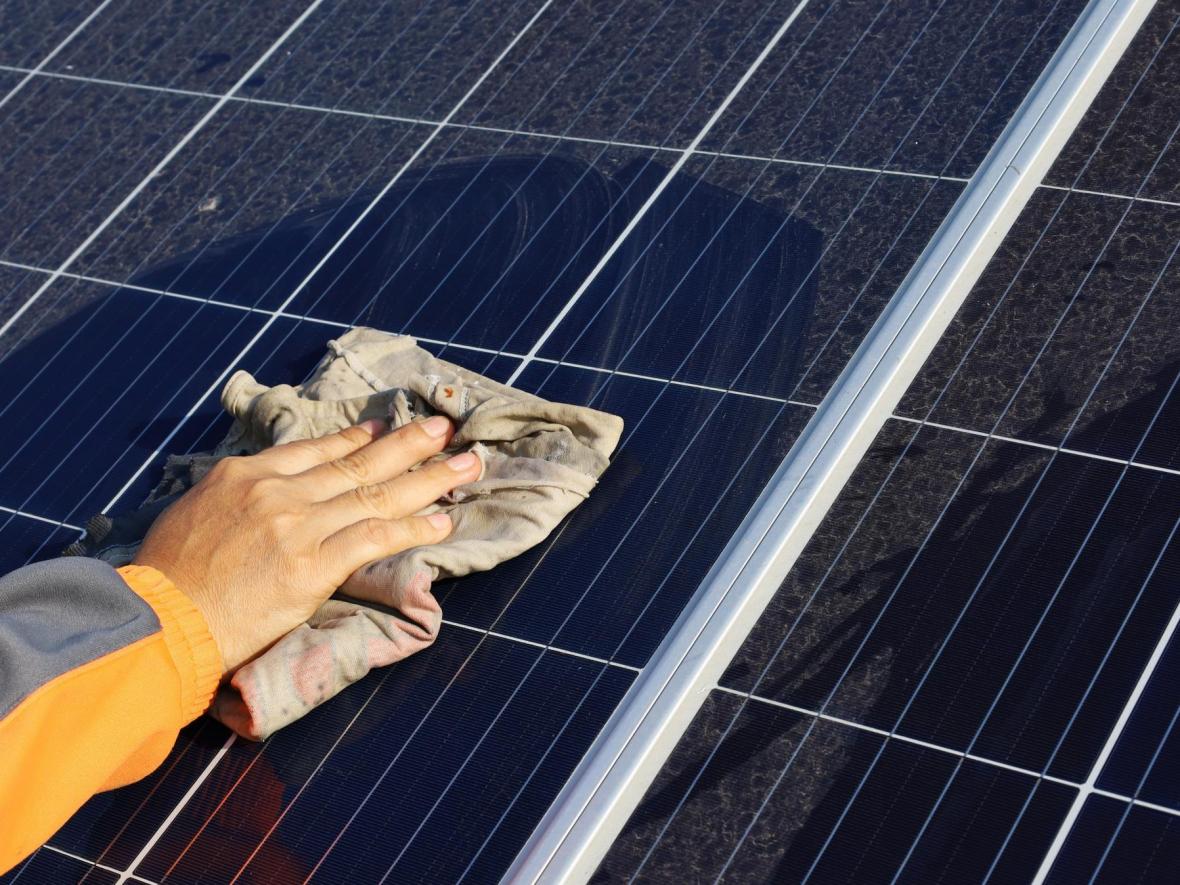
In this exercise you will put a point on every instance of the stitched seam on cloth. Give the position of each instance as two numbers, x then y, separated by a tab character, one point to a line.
354	363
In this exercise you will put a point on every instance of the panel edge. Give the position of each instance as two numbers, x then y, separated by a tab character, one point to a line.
612	777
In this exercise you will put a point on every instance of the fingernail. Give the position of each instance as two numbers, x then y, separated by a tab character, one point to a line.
459	463
440	521
436	426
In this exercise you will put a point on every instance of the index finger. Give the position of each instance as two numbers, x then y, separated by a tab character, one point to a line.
391	455
304	454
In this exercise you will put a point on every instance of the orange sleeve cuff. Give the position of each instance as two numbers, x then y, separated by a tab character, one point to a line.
105	723
187	636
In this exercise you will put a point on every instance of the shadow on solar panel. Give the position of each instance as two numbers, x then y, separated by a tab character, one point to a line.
504	241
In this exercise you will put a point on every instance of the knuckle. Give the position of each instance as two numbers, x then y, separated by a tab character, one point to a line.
284	524
423	531
262	491
231	467
315	447
356	469
379	498
378	532
356	435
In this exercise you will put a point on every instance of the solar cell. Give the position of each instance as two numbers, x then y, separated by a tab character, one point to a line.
1142	764
1063	560
53	866
1113	841
559	194
30	30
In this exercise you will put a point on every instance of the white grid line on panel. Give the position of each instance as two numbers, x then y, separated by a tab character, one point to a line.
515	39
804	711
129	873
589	368
159	166
477	127
983	760
45	519
1090	786
30	73
532	354
93	863
526	133
541	645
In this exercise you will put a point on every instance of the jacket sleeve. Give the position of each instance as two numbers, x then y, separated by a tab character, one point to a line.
99	670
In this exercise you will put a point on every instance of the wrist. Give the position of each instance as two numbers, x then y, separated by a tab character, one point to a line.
187	634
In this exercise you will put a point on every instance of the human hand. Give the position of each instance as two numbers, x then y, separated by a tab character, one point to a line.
263	540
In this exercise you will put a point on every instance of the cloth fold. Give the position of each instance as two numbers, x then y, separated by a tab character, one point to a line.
540	460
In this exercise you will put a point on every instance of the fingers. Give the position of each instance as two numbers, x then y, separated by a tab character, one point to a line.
362	542
382	459
296	457
401	496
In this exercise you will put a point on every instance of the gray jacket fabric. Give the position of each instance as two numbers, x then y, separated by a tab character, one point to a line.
540	460
59	615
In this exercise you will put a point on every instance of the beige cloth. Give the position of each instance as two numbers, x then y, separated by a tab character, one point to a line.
540	460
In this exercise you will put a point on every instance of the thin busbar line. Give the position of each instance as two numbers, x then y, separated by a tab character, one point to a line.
608	142
30	73
1089	787
854	657
324	259
46	519
1148	771
480	127
684	157
979	583
762	699
84	171
640	376
217	382
177	808
940	748
92	863
158	168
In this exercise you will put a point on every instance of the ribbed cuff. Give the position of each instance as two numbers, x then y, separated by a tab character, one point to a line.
198	660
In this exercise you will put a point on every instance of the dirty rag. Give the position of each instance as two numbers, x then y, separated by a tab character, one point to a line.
540	459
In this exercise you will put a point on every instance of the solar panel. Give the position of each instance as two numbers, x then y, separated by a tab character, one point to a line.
686	213
936	691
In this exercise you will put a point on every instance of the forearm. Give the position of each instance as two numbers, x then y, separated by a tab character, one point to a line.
99	670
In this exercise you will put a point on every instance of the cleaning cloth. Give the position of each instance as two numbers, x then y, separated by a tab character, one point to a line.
539	461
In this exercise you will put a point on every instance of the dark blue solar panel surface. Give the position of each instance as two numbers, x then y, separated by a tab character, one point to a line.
743	284
1114	842
31	29
942	672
